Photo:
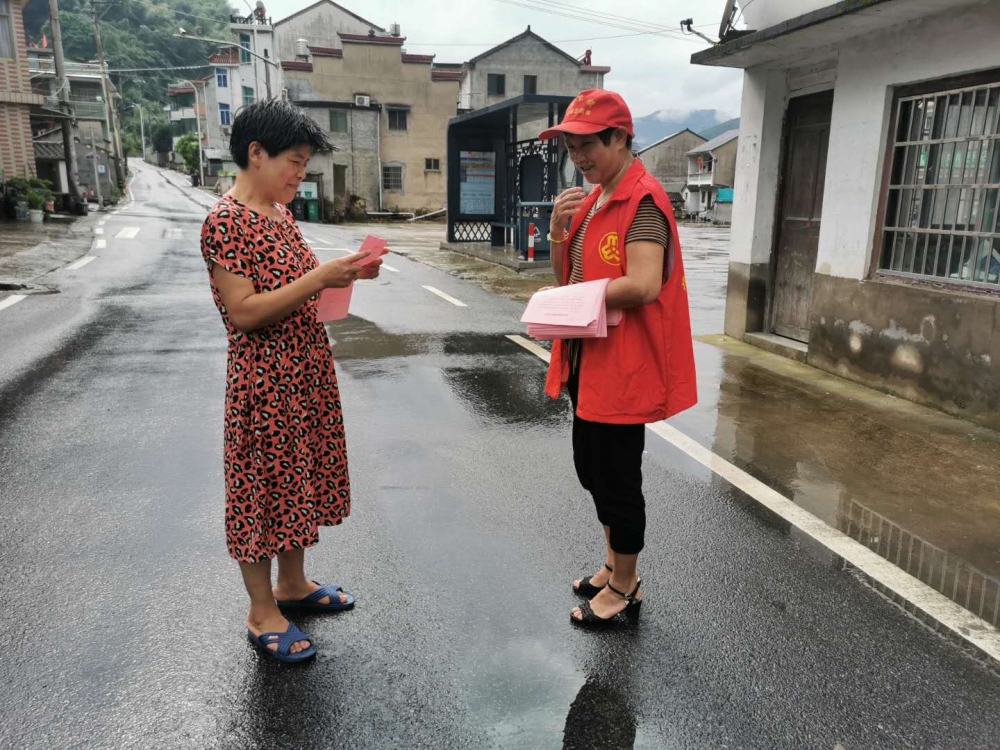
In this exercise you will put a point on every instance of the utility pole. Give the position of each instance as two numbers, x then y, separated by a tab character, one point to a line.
62	86
109	104
142	131
97	176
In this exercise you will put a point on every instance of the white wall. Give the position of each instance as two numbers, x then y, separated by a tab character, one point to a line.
946	45
319	27
760	14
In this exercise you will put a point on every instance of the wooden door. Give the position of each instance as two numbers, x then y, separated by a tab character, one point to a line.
807	137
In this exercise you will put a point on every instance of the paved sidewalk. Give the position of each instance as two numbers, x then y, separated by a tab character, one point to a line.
28	251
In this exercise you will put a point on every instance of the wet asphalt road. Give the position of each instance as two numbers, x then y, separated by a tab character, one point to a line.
123	615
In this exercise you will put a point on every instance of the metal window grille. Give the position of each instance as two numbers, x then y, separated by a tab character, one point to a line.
943	198
392	177
397	119
338	121
496	84
432	165
6	31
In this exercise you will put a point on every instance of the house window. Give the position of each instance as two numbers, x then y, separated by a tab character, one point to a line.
6	31
392	177
222	78
942	199
338	120
496	84
247	96
531	84
397	119
225	116
244	49
432	165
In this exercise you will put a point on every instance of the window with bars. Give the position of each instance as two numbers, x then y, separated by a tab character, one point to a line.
941	203
6	31
338	120
397	119
392	177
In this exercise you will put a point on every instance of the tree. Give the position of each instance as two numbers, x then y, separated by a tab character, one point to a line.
163	139
187	147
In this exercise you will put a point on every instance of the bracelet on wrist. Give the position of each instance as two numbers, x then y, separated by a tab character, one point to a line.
556	240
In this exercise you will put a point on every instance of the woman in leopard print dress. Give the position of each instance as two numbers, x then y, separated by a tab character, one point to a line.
284	446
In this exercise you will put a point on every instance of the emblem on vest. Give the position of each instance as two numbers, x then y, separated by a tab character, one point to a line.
609	249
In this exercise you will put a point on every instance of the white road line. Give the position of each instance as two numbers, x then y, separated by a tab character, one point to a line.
12	300
390	268
958	620
128	233
101	222
446	297
98	230
81	263
100	244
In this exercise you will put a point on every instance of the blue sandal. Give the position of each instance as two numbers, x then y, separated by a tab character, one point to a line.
311	603
284	641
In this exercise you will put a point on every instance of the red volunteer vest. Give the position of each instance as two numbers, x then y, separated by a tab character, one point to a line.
644	370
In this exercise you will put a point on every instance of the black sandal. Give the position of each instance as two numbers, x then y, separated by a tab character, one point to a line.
590	619
589	590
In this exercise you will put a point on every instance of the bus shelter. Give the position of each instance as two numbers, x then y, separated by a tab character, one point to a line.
501	178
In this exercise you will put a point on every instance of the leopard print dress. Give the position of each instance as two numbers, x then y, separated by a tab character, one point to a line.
284	446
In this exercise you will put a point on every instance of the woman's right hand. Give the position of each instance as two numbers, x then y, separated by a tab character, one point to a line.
567	204
342	271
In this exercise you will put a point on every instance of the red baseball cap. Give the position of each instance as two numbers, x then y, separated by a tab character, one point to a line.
591	112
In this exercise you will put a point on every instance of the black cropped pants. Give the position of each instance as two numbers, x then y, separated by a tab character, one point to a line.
608	459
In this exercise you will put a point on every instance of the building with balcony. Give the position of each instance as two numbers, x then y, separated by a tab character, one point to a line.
711	166
668	161
866	238
92	126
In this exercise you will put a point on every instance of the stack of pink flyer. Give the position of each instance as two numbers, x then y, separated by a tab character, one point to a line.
335	302
575	311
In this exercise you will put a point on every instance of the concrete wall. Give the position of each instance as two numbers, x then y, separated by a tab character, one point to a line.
935	344
378	71
761	14
319	26
528	56
357	152
667	161
725	163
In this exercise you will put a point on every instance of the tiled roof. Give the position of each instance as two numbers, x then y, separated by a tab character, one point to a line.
326	51
371	39
446	75
224	57
46	151
713	144
296	65
425	59
526	34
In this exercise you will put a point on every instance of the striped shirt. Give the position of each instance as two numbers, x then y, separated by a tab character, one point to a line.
649	225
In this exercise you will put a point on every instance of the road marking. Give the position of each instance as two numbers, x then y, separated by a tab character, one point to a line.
390	268
100	244
12	300
81	263
446	297
101	222
128	233
955	618
98	230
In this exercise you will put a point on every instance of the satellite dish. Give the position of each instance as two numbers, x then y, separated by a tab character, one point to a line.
728	16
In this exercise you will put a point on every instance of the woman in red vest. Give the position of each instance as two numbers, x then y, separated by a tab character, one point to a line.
644	370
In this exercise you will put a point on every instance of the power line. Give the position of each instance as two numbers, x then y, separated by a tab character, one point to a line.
602	16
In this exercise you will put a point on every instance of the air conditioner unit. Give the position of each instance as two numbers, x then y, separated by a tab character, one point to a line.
360	100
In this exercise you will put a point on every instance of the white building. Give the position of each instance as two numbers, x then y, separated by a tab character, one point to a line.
867	187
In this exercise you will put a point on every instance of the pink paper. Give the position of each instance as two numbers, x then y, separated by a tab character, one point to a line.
334	302
566	312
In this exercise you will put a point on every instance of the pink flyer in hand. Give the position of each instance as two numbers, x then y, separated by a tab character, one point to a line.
335	302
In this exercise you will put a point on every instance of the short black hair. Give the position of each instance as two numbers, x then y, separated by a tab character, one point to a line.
605	136
277	125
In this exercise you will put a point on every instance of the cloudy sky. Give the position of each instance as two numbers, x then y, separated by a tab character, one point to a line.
652	71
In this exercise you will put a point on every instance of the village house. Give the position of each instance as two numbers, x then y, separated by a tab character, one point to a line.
667	160
711	166
17	154
865	213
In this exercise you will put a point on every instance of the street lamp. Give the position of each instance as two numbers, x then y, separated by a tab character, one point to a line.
185	35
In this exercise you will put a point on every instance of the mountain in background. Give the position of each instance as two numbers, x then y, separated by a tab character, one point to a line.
707	123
